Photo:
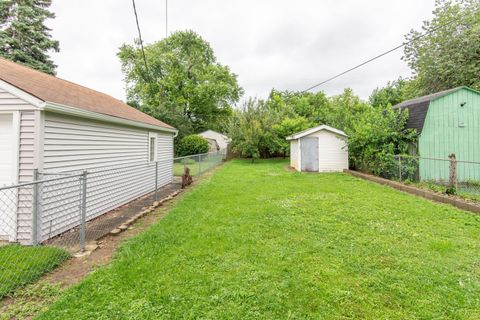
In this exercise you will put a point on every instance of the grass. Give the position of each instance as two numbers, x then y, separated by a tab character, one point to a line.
20	265
258	242
30	300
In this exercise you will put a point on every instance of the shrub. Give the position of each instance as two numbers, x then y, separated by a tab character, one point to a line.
192	144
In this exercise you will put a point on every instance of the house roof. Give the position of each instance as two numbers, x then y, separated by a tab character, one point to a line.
304	133
51	89
418	107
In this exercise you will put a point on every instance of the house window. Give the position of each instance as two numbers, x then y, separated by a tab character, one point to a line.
152	147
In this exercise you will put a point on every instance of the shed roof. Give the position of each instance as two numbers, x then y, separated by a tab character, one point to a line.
418	107
55	90
304	133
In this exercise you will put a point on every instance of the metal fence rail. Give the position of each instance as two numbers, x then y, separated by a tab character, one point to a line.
198	163
438	174
43	221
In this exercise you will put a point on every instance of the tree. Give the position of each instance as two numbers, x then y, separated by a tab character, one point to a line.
251	130
344	109
184	84
376	136
287	127
449	56
393	93
24	38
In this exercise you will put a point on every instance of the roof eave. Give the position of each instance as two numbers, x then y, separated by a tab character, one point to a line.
63	109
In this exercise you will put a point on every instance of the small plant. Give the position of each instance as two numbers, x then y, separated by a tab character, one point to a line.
451	190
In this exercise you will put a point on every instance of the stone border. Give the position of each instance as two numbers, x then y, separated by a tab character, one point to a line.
427	194
155	205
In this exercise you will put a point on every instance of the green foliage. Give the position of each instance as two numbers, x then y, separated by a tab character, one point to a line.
24	38
184	84
259	242
376	136
450	56
287	127
192	144
251	132
394	93
451	190
375	133
23	264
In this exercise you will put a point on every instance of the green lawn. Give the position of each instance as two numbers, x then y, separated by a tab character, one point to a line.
258	242
20	265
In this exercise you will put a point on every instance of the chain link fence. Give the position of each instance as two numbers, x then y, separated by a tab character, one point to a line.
198	163
446	175
44	221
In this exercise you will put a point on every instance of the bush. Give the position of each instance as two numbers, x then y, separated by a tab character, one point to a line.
192	144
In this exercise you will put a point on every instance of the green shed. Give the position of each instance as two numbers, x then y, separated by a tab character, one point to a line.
447	122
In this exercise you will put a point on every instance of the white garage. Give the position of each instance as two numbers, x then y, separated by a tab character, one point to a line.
55	127
319	149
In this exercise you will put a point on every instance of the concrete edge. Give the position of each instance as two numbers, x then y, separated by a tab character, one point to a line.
427	194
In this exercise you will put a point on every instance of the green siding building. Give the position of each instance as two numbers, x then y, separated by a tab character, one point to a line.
447	122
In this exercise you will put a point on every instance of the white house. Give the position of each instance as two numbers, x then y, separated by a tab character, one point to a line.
222	140
319	149
54	125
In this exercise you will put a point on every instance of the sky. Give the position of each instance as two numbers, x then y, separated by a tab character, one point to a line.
286	45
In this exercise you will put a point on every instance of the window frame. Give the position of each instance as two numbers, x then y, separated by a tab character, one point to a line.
152	135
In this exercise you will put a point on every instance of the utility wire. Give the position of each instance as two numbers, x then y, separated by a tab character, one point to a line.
380	55
140	38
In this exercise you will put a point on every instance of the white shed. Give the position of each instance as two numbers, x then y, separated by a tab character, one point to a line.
319	149
54	125
221	139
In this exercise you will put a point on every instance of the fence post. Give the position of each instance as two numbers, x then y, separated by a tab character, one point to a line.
83	209
452	177
35	208
156	180
199	165
400	168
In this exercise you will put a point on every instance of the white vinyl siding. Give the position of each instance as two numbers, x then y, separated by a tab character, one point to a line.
332	151
8	100
294	154
117	158
26	165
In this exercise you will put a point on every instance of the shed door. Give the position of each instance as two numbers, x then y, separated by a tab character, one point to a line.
309	152
8	197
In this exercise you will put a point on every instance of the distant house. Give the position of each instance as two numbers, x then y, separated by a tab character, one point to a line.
319	149
446	122
53	125
212	145
222	140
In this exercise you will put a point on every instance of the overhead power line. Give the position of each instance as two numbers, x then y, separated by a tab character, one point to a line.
380	55
140	38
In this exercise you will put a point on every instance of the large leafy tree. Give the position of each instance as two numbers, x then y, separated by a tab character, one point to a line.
182	82
450	55
394	92
24	38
